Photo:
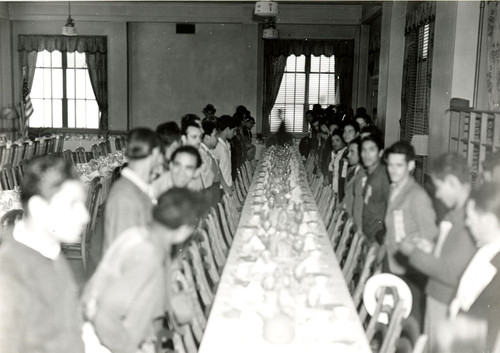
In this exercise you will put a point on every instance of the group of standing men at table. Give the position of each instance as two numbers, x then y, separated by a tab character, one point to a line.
173	175
438	261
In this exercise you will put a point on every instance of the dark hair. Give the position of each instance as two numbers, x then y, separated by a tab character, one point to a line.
190	150
44	176
189	120
208	126
189	124
209	108
376	139
487	198
168	133
451	164
337	132
371	130
226	121
401	147
243	111
352	123
140	143
251	119
491	161
177	207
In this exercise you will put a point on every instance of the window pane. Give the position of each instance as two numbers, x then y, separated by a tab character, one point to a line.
290	63
71	59
324	64
56	59
47	83
89	91
81	111
300	88
315	63
301	63
80	60
92	118
37	87
57	120
70	84
36	120
80	83
47	117
313	88
57	83
71	113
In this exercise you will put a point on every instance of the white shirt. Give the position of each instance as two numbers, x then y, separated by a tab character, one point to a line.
476	278
205	179
334	167
137	181
222	154
50	251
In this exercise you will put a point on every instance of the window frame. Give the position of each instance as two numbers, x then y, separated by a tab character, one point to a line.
307	105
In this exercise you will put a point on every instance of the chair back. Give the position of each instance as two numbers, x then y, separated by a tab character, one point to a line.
345	242
107	143
8	177
14	154
95	151
68	155
3	152
81	155
118	143
10	218
59	143
37	150
29	151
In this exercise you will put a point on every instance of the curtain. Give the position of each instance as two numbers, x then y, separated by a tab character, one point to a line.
95	49
81	44
97	65
417	71
493	75
273	74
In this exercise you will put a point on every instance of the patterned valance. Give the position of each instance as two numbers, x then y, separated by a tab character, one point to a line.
287	47
423	14
81	44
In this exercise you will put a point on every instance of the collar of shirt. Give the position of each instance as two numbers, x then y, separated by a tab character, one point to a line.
207	149
475	278
137	181
48	250
226	144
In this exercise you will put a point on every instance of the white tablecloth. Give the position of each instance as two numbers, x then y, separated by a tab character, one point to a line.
317	303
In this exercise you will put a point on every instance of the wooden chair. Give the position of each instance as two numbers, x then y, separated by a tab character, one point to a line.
116	174
219	256
37	150
81	155
59	143
10	218
3	152
392	331
46	147
208	257
232	213
107	143
28	151
14	154
124	142
219	234
118	143
95	151
68	155
228	235
356	254
345	242
80	250
338	228
202	285
330	210
238	192
103	149
372	265
8	177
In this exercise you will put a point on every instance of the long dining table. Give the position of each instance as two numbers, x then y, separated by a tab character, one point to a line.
286	295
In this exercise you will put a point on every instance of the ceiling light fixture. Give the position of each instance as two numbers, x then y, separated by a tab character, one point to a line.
69	28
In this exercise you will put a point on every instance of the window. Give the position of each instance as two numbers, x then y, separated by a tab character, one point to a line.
307	80
61	94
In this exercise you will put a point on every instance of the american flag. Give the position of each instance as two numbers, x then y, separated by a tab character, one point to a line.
28	106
